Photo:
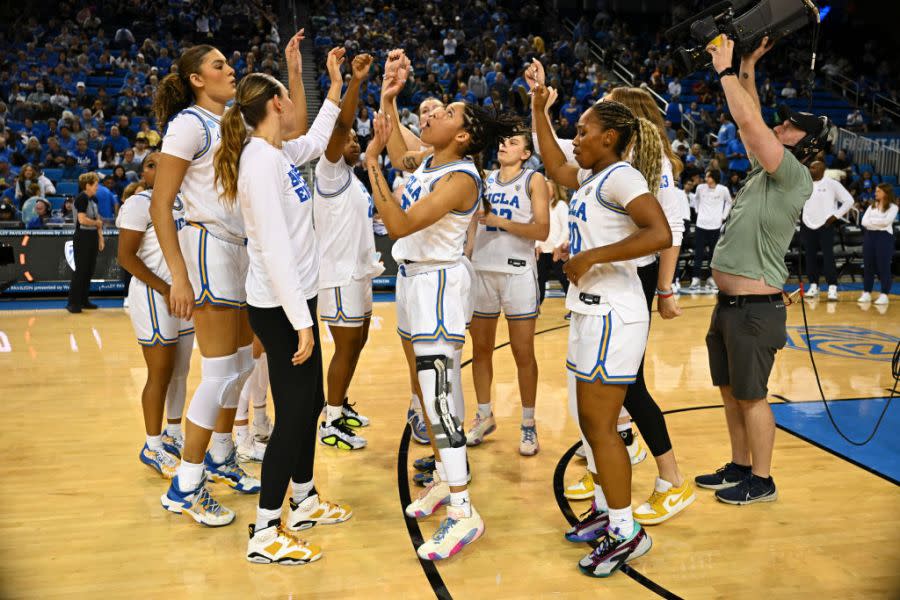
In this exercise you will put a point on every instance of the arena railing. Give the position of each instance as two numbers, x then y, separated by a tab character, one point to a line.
887	105
863	150
849	88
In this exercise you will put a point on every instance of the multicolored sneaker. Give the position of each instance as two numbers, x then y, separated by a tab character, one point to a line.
174	445
662	506
338	435
528	443
351	417
197	504
435	495
425	464
417	426
725	477
751	490
315	511
262	429
591	526
424	478
614	551
583	489
231	474
274	545
455	533
481	428
159	460
250	449
636	451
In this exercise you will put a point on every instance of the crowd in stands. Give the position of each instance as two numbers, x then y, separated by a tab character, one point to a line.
76	91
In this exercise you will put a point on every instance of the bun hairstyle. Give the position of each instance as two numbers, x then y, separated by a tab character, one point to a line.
174	93
486	128
643	105
249	109
647	148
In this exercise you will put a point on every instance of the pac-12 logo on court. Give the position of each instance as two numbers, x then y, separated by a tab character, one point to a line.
843	341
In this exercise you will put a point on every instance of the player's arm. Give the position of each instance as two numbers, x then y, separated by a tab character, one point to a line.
360	71
555	163
170	171
129	244
402	155
295	83
539	227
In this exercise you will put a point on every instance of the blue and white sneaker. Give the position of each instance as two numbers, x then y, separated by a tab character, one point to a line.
197	504
417	424
591	526
231	474
426	463
159	460
173	445
614	551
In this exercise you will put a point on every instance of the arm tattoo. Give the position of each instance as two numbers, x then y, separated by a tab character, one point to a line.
746	75
410	163
377	185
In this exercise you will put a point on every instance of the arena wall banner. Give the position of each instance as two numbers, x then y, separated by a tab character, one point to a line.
44	262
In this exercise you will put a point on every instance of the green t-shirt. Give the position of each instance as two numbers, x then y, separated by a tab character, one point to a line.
761	224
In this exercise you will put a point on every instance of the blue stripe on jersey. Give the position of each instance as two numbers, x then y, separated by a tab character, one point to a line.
207	135
616	208
337	193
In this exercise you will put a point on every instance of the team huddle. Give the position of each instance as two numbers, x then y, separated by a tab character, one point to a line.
223	247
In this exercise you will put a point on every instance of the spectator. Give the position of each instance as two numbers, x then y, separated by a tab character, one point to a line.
7	210
119	142
878	243
727	132
863	189
680	145
738	162
464	95
95	140
566	129
788	91
364	127
713	202
571	111
478	84
141	148
841	163
66	141
84	156
856	122
28	176
409	120
107	201
152	136
450	44
42	210
130	163
107	158
68	210
30	154
120	181
71	170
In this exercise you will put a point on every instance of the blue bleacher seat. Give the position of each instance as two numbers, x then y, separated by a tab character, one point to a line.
53	174
97	81
866	167
67	188
889	179
56	201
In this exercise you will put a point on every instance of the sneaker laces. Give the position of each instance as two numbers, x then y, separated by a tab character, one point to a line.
166	459
428	487
208	503
446	525
529	434
607	543
656	498
231	466
348	408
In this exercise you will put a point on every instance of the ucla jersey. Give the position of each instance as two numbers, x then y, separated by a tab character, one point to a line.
597	217
135	215
343	211
194	135
444	240
498	250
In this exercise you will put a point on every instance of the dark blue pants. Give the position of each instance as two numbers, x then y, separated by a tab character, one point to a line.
703	239
878	249
815	241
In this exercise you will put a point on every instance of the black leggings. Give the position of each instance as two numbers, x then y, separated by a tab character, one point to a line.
86	244
638	401
298	396
547	268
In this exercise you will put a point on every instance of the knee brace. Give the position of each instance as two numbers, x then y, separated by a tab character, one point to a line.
245	364
175	394
433	372
218	385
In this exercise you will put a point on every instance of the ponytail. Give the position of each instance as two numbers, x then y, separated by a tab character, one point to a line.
486	127
249	110
647	156
174	93
642	104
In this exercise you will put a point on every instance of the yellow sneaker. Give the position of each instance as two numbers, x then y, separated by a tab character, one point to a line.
636	451
583	489
662	506
274	545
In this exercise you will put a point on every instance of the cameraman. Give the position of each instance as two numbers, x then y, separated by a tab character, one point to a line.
748	323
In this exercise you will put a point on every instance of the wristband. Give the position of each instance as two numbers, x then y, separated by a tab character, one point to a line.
662	294
726	72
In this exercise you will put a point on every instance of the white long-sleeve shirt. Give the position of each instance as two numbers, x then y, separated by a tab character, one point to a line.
559	228
875	219
823	203
277	208
713	206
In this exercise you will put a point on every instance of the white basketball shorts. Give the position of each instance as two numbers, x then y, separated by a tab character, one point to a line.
604	348
434	305
516	295
153	325
347	305
217	269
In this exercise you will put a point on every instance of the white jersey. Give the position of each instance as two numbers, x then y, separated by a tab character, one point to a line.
444	240
713	205
597	217
281	243
343	211
135	215
670	201
194	135
497	250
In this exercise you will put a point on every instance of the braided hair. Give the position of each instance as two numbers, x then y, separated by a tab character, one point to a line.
486	127
647	154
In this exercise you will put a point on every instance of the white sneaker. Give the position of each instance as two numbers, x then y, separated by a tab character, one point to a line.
813	290
435	495
695	284
262	429
676	286
832	293
274	545
882	300
250	449
481	428
338	435
636	451
455	533
865	298
125	302
711	285
315	511
528	444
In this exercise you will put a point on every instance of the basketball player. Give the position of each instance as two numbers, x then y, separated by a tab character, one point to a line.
343	215
506	278
433	283
208	263
166	341
613	219
261	173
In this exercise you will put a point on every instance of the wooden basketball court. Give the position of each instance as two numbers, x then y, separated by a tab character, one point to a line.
82	518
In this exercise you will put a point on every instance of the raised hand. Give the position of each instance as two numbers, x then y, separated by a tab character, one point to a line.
360	66
764	46
534	74
333	64
722	51
292	53
551	100
381	133
540	98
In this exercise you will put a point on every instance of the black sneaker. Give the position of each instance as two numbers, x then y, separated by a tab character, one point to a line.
90	306
73	309
749	491
728	476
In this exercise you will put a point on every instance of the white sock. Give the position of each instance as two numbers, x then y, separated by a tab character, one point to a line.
621	522
174	430
599	498
662	486
154	442
300	491
189	475
221	447
332	413
241	433
484	411
264	516
623	427
415	403
259	414
460	500
527	414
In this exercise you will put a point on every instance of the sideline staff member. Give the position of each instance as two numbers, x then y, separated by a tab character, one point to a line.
748	323
87	242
